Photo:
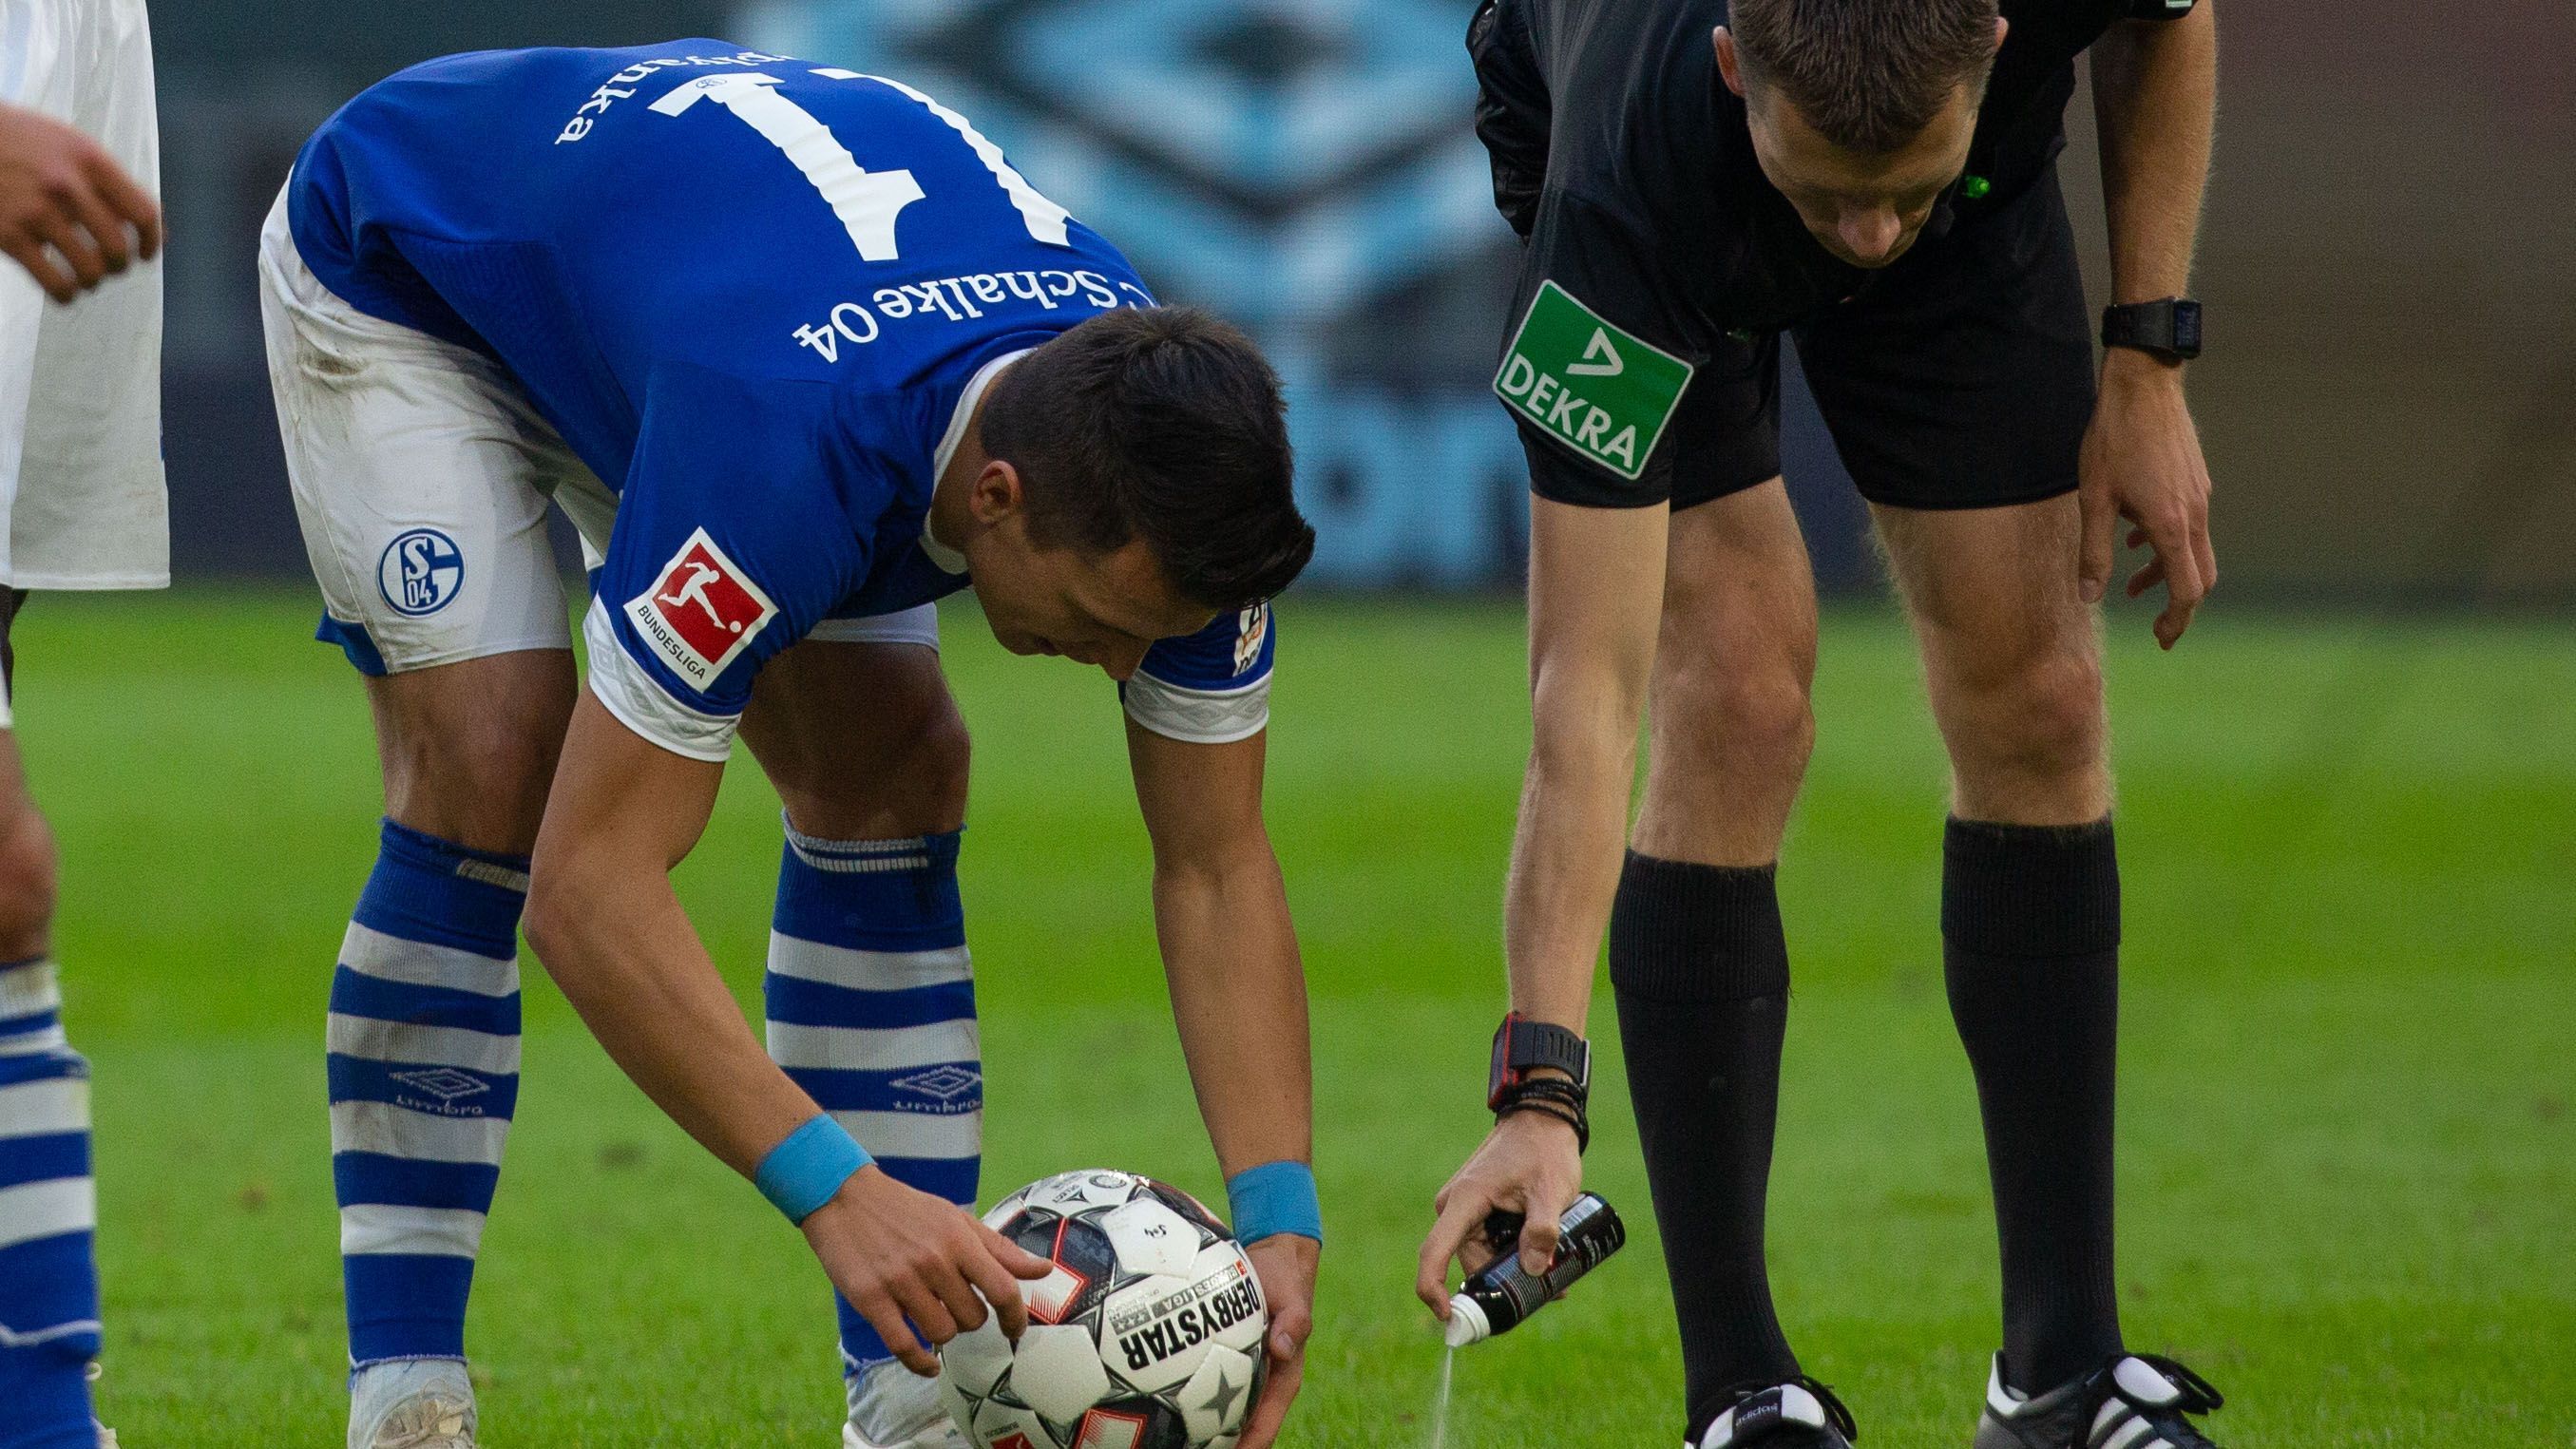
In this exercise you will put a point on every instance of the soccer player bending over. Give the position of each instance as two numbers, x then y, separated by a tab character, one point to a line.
798	352
1878	178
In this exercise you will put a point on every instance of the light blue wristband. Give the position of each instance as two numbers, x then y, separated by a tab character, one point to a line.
1275	1198
802	1172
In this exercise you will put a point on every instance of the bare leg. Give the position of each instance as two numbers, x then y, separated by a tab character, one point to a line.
469	749
1727	714
862	741
2012	655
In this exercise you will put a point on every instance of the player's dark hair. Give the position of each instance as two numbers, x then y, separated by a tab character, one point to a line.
1869	75
1160	423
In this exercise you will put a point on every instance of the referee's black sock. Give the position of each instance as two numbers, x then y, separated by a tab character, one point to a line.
1702	975
2030	929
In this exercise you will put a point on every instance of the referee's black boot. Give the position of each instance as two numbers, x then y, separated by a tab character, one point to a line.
1799	1414
2135	1401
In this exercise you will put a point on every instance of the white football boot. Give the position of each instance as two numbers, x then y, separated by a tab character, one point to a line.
891	1407
2134	1401
412	1403
1798	1414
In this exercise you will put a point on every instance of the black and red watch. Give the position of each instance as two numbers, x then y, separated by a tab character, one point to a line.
1523	1047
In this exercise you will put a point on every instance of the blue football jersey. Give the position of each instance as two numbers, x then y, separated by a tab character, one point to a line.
759	298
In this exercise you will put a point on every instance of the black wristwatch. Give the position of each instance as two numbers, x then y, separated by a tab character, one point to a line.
1522	1047
2169	327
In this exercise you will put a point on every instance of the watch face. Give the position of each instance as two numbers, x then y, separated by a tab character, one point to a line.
2186	327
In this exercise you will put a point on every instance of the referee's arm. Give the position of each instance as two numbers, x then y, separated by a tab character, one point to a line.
1596	592
2155	98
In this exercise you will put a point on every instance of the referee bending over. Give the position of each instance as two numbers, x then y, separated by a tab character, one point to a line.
1877	178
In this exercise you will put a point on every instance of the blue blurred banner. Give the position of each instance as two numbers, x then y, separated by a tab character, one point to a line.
1308	169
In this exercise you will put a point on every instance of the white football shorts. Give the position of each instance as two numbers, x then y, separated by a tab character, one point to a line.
421	474
82	502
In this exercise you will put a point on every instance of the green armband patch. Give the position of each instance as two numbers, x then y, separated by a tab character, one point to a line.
1605	392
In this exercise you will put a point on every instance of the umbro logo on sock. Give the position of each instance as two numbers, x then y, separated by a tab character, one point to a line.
941	1083
447	1084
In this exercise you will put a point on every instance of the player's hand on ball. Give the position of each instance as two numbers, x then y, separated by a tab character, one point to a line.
68	214
2142	462
1286	1264
899	1254
1530	1164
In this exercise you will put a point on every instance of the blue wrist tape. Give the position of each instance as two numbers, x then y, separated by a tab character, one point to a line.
1275	1198
802	1172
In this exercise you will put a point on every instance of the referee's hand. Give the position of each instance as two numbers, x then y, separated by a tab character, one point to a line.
1531	1164
68	213
2142	462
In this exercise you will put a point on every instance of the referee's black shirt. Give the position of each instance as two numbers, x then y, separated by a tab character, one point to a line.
1617	108
1959	376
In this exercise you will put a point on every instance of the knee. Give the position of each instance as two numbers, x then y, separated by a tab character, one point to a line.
478	780
27	883
914	784
933	772
1736	723
2040	720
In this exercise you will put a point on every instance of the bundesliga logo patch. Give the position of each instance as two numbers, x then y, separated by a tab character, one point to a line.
702	612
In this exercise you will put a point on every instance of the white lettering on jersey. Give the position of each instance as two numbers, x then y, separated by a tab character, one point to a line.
867	202
1045	219
621	85
956	299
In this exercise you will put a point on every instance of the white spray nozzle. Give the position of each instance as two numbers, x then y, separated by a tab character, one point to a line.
1467	1323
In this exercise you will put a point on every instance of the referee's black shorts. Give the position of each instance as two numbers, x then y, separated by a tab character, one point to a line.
1958	376
1961	377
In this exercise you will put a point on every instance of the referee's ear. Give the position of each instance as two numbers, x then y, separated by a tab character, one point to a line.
1730	67
2002	26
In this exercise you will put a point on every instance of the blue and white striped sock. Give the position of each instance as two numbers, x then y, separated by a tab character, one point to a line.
871	1005
424	1070
48	1209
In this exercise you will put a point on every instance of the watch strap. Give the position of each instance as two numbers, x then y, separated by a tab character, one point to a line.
2169	327
1523	1046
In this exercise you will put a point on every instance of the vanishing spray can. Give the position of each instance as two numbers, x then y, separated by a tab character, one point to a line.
1502	1294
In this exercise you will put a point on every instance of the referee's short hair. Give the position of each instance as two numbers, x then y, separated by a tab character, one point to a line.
1869	75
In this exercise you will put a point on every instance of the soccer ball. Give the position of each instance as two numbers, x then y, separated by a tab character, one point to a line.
1147	1336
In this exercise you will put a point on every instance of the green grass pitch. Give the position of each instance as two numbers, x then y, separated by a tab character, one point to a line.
2348	1181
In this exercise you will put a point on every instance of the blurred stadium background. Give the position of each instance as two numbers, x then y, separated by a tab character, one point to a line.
2350	799
2386	401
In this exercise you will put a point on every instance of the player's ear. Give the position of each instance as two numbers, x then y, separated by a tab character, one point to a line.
2001	26
996	494
1726	62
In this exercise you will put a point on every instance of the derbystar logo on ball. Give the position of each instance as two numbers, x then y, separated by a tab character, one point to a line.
702	612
